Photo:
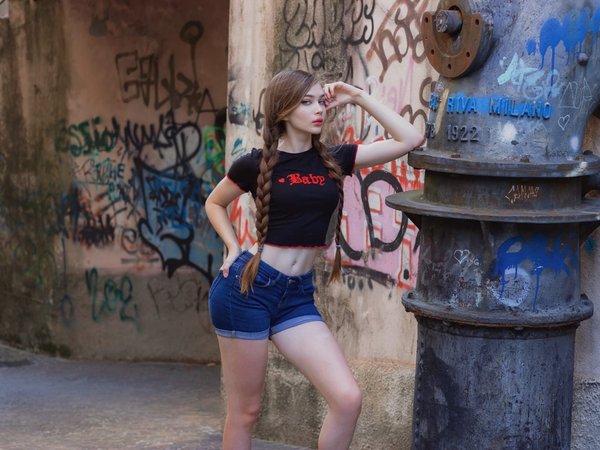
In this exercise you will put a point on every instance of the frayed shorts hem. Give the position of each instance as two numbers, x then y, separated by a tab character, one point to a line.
260	335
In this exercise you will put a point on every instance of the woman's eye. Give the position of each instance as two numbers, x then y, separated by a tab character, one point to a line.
323	102
305	102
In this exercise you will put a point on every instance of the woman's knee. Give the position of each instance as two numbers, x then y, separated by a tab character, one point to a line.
244	415
348	400
354	399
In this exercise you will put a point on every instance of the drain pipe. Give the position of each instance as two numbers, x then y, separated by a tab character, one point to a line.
501	219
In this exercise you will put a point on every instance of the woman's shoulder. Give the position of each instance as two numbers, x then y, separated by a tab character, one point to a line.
341	147
247	163
345	156
251	157
342	150
245	169
254	153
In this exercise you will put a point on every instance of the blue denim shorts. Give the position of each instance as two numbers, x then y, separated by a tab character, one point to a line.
275	303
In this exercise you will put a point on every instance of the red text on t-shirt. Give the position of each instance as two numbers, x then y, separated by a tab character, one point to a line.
296	178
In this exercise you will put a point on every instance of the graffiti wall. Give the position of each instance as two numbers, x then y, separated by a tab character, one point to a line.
140	145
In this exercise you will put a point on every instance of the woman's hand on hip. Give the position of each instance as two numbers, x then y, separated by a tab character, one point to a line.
231	257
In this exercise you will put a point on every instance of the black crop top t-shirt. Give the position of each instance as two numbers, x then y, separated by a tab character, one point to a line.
303	196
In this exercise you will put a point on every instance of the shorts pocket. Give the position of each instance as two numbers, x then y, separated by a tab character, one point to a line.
262	280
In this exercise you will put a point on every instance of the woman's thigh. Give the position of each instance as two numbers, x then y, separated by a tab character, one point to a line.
314	351
244	364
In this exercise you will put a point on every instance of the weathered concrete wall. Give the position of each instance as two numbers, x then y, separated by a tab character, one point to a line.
34	80
375	44
113	136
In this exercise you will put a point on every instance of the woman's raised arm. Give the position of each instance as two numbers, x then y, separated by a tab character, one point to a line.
405	137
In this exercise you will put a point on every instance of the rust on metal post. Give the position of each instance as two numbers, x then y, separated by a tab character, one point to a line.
457	40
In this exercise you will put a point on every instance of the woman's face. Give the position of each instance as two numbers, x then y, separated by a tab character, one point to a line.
308	116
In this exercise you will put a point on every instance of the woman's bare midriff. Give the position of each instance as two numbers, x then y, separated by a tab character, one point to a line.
288	260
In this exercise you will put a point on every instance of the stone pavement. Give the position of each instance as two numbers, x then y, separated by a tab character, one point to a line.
48	403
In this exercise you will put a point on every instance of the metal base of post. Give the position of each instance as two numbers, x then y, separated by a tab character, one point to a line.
482	387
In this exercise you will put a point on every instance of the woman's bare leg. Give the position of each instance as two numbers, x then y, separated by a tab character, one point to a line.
244	364
314	351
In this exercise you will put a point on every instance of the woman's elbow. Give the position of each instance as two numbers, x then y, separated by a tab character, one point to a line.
420	141
211	203
210	199
415	139
409	143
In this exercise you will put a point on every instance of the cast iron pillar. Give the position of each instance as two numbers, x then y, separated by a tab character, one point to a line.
502	216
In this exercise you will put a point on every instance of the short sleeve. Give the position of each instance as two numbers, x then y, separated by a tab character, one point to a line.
244	171
345	156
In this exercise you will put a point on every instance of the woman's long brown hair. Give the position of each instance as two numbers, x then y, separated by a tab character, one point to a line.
283	94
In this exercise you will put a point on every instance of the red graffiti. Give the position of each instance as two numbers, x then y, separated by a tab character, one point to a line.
240	219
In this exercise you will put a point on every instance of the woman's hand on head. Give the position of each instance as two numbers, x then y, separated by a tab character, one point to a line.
231	257
340	93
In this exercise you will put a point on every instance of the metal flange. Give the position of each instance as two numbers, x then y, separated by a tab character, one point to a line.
457	40
456	163
414	202
544	319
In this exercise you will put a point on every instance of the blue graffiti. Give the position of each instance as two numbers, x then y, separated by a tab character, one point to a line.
176	166
572	31
543	254
169	199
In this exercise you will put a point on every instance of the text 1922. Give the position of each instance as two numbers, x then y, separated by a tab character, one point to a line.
463	133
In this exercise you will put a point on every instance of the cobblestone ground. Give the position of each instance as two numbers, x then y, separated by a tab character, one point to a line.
48	403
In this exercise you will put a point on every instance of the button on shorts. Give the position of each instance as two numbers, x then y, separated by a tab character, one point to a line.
275	302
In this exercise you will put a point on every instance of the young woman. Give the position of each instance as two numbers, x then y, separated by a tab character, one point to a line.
267	292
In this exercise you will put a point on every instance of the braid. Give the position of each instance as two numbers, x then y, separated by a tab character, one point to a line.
263	199
335	172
